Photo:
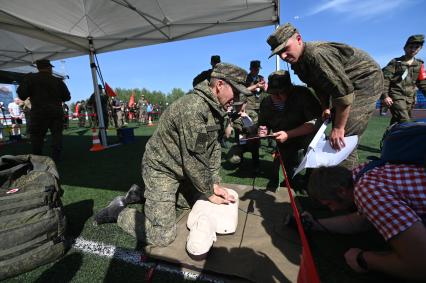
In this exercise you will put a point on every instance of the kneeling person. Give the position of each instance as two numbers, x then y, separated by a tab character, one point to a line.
182	159
392	198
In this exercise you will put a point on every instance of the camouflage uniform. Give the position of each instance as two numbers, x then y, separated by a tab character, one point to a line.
205	75
47	94
142	110
236	152
347	75
252	109
182	155
300	107
402	91
401	80
82	114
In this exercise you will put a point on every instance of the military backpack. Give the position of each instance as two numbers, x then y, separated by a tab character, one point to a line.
32	224
403	143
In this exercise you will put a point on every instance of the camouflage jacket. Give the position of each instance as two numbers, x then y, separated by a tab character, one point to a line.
400	79
334	70
253	101
45	91
300	107
186	144
204	75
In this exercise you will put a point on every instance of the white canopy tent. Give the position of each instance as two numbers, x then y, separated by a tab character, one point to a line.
58	29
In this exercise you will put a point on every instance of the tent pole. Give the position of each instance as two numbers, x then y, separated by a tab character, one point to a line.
99	112
277	25
277	58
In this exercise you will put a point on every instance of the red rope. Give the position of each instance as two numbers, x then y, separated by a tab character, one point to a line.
307	272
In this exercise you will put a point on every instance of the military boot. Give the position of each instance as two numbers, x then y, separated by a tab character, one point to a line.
134	195
110	213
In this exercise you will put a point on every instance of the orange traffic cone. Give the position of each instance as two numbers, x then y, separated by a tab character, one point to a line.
97	146
150	121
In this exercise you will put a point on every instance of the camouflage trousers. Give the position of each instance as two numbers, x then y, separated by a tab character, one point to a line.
367	92
401	109
163	194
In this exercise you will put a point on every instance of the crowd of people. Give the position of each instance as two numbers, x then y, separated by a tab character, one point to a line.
117	113
343	84
182	158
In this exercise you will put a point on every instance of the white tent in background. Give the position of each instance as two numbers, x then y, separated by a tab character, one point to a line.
52	29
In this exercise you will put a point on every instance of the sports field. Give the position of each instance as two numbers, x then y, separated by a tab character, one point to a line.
106	254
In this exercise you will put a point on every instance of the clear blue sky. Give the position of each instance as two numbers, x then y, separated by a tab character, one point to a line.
379	27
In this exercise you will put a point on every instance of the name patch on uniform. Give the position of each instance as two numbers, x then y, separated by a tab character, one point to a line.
200	143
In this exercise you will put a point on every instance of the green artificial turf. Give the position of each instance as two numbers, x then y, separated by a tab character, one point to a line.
91	179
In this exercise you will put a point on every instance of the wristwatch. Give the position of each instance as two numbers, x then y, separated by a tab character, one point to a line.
361	260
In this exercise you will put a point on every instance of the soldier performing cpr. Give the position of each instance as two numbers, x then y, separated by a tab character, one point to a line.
181	160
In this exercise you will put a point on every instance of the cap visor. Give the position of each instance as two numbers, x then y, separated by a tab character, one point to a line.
242	89
277	49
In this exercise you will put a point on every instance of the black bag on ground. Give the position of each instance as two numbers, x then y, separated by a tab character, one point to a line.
32	224
403	143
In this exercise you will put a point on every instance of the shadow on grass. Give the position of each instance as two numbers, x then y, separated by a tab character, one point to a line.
115	168
77	214
63	270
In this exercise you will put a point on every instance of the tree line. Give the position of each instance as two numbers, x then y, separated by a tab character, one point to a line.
153	97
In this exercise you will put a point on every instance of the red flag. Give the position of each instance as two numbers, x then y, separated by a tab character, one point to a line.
132	99
109	90
422	73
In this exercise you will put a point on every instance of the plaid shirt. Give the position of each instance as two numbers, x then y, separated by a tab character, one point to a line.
392	197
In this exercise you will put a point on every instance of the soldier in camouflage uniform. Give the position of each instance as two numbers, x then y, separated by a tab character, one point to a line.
205	75
291	113
401	78
245	126
347	76
47	94
181	158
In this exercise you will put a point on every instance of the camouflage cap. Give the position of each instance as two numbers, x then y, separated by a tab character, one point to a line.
232	74
255	64
417	38
215	59
278	39
278	80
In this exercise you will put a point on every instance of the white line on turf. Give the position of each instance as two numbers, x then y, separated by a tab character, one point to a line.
134	258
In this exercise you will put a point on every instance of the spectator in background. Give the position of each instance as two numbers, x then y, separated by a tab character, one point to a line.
16	116
401	80
47	94
142	109
66	115
81	113
149	109
26	108
205	75
104	106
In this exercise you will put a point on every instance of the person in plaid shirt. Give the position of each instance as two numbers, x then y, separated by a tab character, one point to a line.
392	198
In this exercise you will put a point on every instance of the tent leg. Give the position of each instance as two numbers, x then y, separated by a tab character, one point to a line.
99	112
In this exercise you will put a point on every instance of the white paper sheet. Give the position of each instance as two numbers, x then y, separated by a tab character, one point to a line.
320	152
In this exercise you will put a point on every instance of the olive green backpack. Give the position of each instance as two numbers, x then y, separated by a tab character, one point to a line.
32	224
